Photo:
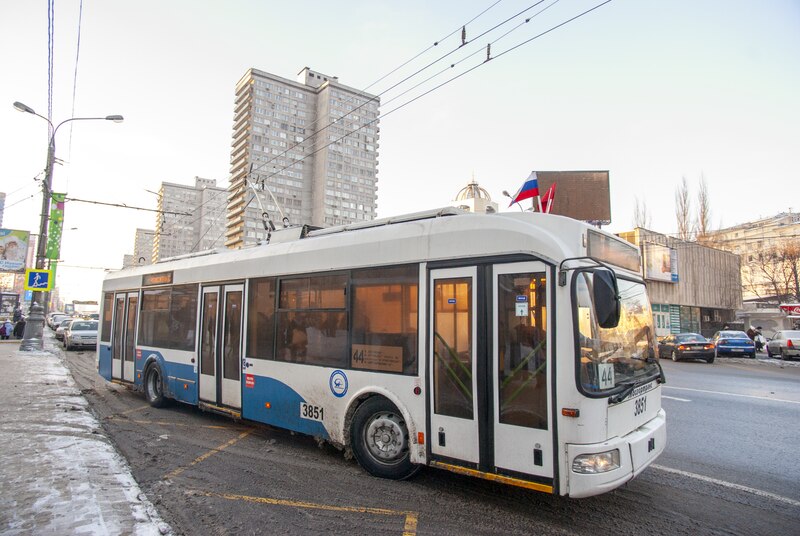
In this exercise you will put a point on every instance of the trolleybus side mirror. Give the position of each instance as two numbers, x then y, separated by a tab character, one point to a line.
606	298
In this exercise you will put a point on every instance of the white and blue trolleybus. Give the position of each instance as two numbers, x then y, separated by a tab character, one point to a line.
516	347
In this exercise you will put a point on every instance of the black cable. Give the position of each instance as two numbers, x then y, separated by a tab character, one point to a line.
444	84
123	205
319	131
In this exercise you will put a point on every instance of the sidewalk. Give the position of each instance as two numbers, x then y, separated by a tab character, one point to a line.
58	472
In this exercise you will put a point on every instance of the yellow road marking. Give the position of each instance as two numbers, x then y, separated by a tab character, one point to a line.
132	410
164	423
208	454
409	526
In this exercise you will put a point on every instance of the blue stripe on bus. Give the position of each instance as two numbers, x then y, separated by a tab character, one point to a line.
104	361
284	407
181	378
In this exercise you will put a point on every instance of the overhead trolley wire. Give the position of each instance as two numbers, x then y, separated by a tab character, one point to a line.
447	82
462	60
459	47
436	43
75	83
123	205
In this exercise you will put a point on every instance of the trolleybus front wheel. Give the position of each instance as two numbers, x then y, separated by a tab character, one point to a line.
380	442
153	387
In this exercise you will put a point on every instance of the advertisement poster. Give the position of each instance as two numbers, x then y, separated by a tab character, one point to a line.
658	262
13	249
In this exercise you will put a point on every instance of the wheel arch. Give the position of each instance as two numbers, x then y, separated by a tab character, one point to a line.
369	392
155	359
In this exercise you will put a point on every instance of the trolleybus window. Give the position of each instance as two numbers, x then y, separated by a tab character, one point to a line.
452	324
384	319
615	356
522	335
108	312
261	318
312	321
169	317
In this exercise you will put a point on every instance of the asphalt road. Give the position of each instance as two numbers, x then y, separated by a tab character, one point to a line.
735	420
210	475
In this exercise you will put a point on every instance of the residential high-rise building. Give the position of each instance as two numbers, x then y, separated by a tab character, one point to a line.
193	218
2	206
307	148
143	246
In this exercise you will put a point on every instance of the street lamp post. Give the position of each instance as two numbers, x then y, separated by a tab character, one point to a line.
34	327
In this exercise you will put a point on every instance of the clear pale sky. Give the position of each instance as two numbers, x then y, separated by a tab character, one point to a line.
650	90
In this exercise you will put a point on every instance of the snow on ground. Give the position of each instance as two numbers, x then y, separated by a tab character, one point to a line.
59	473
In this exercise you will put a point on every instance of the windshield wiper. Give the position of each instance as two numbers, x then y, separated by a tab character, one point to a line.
622	395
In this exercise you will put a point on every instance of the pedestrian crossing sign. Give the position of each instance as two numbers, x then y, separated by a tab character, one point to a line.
38	280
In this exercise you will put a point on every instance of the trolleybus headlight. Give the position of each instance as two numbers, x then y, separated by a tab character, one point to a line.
596	463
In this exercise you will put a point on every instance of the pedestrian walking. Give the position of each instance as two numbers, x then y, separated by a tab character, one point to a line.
19	328
6	329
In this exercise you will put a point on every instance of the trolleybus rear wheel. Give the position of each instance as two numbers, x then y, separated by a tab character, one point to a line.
153	387
380	442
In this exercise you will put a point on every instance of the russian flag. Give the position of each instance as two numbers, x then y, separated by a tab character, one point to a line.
528	190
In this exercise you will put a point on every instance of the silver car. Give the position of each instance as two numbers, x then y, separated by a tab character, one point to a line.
784	344
80	334
61	326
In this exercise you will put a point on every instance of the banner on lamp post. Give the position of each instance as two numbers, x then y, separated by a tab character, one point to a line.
53	250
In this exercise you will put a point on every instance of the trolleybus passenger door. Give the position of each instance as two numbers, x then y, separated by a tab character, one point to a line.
124	334
208	345
220	345
231	346
452	375
521	369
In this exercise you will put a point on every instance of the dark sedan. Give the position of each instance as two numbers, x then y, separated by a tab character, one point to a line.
686	346
733	343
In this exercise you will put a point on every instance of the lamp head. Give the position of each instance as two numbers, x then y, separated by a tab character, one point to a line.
115	118
23	107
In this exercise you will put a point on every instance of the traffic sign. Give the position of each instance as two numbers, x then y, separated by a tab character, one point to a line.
38	280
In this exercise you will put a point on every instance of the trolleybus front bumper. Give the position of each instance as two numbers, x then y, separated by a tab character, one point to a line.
635	451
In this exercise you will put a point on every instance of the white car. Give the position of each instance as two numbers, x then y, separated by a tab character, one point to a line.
61	326
54	319
784	344
80	334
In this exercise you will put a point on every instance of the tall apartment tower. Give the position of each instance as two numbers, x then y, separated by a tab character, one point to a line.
325	179
2	206
142	249
198	222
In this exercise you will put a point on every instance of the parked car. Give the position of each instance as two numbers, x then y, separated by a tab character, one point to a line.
60	327
784	344
51	323
57	319
733	343
80	334
686	346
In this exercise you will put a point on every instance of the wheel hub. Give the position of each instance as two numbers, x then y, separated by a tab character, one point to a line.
386	437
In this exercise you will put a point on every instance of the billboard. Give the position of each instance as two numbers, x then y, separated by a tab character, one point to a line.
13	250
660	263
583	195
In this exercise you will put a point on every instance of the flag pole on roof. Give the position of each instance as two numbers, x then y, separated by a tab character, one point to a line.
547	198
528	190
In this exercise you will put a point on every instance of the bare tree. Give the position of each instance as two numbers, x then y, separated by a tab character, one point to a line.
641	215
683	206
774	272
703	224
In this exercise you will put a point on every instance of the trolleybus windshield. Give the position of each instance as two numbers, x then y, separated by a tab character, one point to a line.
610	358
